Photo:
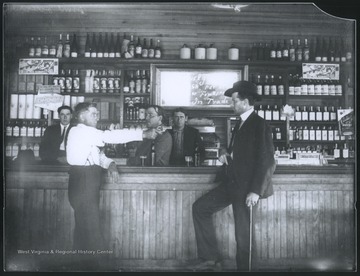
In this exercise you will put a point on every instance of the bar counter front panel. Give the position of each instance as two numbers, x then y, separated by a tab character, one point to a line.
147	219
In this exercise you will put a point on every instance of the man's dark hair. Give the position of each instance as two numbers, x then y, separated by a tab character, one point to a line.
81	107
64	107
179	109
159	110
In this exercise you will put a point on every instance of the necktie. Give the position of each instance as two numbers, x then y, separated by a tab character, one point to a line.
63	133
236	128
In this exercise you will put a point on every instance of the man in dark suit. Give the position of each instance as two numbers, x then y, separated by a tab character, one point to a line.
53	143
249	164
185	139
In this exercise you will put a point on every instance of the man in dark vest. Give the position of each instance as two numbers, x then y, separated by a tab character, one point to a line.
249	164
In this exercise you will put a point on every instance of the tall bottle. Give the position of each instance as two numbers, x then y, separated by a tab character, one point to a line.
112	47
273	86
292	54
306	51
331	52
93	50
158	51
336	152
87	52
59	47
118	46
151	51
343	51
299	51
67	47
280	86
266	86
31	52
74	47
100	47
138	48
318	50
131	47
285	51
272	51
324	55
144	50
106	46
260	51
259	86
52	48
38	47
45	48
197	156
278	50
153	153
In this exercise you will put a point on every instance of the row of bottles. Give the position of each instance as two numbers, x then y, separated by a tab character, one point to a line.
20	128
277	134
137	81
318	114
301	86
23	107
325	49
135	107
270	113
269	84
314	133
12	149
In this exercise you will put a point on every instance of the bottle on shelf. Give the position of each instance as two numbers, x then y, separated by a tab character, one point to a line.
137	81
336	152
297	85
152	153
267	51
259	86
158	50
103	81
304	86
324	134
317	87
118	46
131	82
310	88
273	86
100	47
117	81
345	152
330	133
312	133
131	47
291	85
106	46
23	129
96	81
30	129
87	52
38	47
324	88
338	88
75	81
272	51
67	47
197	156
31	52
260	51
112	46
318	134
59	47
74	48
151	50
280	86
144	81
52	48
306	51
138	48
312	116
266	86
144	50
278	50
268	113
332	87
305	133
37	129
331	51
304	114
348	51
275	113
333	115
325	50
142	109
342	51
297	114
93	50
285	51
61	80
68	81
253	54
337	54
261	112
326	114
319	114
318	50
299	51
45	48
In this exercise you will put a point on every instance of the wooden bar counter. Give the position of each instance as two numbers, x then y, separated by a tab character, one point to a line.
308	224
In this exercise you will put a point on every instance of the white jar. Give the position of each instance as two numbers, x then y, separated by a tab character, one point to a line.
233	53
185	52
200	52
211	53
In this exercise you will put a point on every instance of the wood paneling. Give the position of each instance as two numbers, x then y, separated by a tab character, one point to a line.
308	217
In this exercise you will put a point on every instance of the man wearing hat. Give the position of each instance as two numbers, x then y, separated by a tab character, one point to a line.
249	165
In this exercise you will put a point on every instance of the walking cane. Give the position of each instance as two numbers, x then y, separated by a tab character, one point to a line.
250	244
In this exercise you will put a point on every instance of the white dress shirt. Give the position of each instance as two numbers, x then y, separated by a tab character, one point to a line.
83	142
246	115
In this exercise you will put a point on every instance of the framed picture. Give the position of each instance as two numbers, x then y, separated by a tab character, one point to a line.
321	71
39	66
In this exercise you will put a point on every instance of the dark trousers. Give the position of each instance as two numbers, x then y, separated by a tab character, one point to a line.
203	209
84	197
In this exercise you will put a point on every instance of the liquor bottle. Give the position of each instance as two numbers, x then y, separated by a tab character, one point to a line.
23	129
30	130
297	85
324	88
311	87
299	51
38	47
330	134
131	47
291	85
318	133
273	86
37	130
106	46
144	81
319	114
9	129
272	51
351	152
197	156
152	153
45	48
137	81
306	133
277	151
110	81
16	129
291	133
324	134
260	51
103	81
297	114
261	112
138	48
304	114
74	48
280	86
306	51
59	47
158	51
276	113
318	50
117	81
348	51
93	50
317	87
345	152
118	46
67	47
331	52
268	113
333	116
266	86
142	109
278	133
254	52
326	114
259	86
324	55
76	81
336	152
52	48
338	88
331	87
278	50
267	51
304	86
31	52
100	47
312	133
61	80
68	81
112	47
8	150
144	50
87	52
285	51
336	135
132	82
151	51
342	51
300	133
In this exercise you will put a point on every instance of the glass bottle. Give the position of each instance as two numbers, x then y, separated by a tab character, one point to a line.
306	51
45	48
74	47
52	48
158	51
106	46
31	51
100	47
278	50
273	86
324	56
138	48
87	52
59	47
299	51
131	47
266	86
112	46
272	51
285	51
144	50
259	86
151	51
93	50
67	47
280	86
38	47
118	46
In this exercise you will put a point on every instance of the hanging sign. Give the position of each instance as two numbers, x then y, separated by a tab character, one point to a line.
49	97
39	66
321	71
346	121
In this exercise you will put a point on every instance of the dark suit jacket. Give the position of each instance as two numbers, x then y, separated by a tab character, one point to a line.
191	138
51	141
253	158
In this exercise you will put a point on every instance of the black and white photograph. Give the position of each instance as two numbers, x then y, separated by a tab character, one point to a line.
179	137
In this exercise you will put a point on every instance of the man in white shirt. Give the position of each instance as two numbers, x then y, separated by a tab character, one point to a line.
53	143
87	161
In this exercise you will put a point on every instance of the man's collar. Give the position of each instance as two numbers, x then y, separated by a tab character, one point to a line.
246	114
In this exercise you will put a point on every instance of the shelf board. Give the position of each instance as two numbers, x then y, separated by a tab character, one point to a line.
314	122
315	96
315	142
136	94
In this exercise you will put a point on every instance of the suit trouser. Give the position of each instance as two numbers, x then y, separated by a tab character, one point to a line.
84	198
203	209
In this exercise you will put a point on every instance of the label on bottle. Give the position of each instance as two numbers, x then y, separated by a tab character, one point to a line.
292	54
336	135
268	115
8	131
280	89
38	52
30	132
96	84
23	131
324	59
319	116
111	55
142	114
317	89
110	84
305	134
259	89
45	52
276	115
278	135
103	84
336	153
333	116
62	83
338	90
68	84
291	90
76	84
273	89
324	135
304	89
272	54
55	80
326	116
52	52
105	54
318	134
312	135
100	55
304	116
157	53
311	89
74	54
117	54
278	54
37	131
87	54
285	53
31	52
332	89
138	50
297	90
93	55
144	85
266	89
345	153
330	135
297	116
291	134
117	83
261	113
66	50
306	54
325	89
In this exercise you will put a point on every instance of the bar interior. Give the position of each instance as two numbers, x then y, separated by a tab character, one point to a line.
126	56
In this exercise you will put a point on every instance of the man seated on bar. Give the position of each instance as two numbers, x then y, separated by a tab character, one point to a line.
155	116
248	166
185	139
86	164
53	143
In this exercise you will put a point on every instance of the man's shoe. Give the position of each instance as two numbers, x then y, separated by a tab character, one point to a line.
208	265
